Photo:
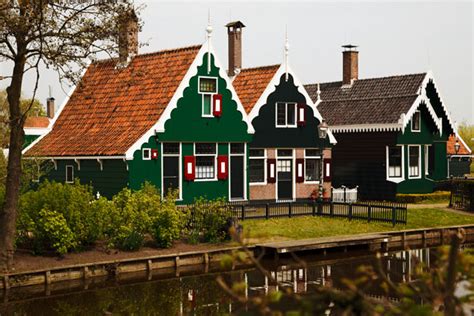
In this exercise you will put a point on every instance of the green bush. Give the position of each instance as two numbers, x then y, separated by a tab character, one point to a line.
75	203
169	222
53	232
435	197
208	221
132	216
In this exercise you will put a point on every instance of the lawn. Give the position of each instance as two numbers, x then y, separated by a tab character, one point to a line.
313	227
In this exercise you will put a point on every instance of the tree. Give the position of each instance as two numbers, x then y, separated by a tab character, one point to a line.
62	35
466	131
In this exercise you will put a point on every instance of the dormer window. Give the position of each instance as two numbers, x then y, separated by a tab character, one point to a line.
207	88
415	122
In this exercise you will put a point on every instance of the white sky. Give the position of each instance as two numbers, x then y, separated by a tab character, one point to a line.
393	38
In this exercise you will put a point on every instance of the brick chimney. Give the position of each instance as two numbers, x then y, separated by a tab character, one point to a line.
50	107
234	33
128	36
350	64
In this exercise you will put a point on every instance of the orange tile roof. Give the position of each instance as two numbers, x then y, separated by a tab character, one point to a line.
450	147
36	122
251	82
112	108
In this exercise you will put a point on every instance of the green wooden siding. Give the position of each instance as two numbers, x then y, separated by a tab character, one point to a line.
29	139
428	135
109	181
186	125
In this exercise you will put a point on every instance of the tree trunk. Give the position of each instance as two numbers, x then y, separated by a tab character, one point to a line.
9	210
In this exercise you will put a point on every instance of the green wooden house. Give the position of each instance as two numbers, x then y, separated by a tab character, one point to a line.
171	118
391	131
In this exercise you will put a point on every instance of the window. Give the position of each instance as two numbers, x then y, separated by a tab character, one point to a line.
414	162
207	88
237	148
415	122
312	165
285	153
429	159
35	176
285	114
205	160
146	154
395	161
69	174
170	148
257	166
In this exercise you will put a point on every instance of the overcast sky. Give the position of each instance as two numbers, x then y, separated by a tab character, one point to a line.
394	38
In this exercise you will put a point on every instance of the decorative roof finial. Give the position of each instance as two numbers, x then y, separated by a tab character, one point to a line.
209	35
318	93
287	48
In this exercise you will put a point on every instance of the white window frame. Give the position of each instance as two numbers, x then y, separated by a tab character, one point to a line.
214	178
427	158
419	162
72	180
244	155
207	93
264	158
304	167
143	153
36	173
413	121
387	169
286	125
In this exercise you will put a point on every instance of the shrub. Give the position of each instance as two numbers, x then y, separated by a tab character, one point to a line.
208	221
132	216
53	232
168	223
74	203
435	197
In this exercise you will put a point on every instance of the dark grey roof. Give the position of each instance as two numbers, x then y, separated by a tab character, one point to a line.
367	101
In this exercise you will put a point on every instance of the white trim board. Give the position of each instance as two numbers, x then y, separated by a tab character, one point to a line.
159	126
262	100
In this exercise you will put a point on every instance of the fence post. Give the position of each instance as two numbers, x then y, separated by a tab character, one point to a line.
471	198
394	215
350	211
331	209
243	211
267	215
369	213
344	194
314	208
320	208
289	209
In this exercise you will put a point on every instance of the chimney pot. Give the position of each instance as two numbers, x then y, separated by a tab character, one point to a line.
234	33
50	107
350	64
128	36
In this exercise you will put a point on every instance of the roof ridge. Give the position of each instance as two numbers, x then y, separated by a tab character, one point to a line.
374	78
159	52
260	67
373	98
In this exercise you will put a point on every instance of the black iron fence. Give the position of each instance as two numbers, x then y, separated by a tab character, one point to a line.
462	195
395	213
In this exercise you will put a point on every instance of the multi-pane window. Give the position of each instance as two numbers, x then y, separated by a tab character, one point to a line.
207	88
285	152
395	161
285	114
415	122
257	166
237	148
170	148
205	160
414	161
69	174
312	165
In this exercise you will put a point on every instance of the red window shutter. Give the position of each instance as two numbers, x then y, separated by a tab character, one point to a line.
222	167
327	169
154	154
217	105
189	168
301	114
271	170
299	170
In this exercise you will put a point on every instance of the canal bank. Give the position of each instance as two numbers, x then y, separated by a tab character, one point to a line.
204	258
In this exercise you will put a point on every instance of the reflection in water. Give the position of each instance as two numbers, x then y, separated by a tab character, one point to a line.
201	295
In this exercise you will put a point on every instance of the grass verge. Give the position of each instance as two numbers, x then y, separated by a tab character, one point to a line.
314	227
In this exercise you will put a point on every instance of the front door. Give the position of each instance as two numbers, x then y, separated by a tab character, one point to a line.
237	171
285	179
170	167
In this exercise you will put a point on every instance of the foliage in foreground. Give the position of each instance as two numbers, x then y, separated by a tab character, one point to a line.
433	290
67	217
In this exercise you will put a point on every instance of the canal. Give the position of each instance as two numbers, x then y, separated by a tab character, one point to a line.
196	292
